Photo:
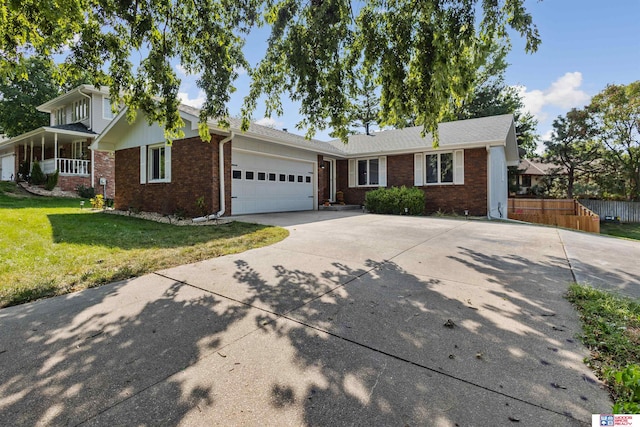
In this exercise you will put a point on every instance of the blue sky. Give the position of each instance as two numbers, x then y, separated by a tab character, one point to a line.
586	44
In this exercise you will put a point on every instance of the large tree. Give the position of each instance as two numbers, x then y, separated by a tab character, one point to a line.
20	96
420	53
490	95
617	109
573	145
366	107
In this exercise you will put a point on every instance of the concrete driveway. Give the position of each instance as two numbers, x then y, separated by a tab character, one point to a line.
352	320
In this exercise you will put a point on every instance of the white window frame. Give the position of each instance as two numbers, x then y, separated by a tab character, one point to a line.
107	112
420	168
382	172
146	165
60	116
80	110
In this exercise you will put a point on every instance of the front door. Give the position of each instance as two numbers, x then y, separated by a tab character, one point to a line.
329	180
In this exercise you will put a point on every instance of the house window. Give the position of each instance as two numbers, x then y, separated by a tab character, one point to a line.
157	163
107	113
60	116
236	174
80	110
526	180
368	172
262	176
272	177
439	168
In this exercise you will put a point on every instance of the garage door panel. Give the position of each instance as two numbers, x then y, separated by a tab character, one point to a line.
256	196
7	166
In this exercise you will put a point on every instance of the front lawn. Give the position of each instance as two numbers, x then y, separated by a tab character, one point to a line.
629	231
49	246
611	331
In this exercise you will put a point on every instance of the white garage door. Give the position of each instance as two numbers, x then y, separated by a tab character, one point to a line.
270	184
7	166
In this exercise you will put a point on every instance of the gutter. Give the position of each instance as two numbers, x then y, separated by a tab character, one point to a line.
222	210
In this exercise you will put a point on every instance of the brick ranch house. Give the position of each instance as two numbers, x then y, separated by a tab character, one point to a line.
268	170
76	119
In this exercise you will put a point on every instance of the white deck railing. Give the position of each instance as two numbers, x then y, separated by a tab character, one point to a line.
66	166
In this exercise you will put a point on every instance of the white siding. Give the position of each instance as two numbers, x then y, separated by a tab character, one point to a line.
498	183
98	122
242	142
141	133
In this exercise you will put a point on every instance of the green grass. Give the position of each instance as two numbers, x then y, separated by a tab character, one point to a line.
628	231
611	331
49	246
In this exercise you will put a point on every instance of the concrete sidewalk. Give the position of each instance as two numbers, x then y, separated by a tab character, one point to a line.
352	320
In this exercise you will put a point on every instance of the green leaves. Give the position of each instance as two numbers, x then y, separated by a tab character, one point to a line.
421	54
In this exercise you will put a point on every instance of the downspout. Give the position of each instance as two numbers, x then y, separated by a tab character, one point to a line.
221	176
488	148
221	180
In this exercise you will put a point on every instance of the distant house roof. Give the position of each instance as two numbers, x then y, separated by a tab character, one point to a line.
537	167
71	95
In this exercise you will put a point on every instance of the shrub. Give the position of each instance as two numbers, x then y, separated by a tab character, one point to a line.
23	172
86	192
97	202
395	200
52	181
37	176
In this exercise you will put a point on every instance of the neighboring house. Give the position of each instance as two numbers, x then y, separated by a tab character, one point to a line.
76	119
531	173
267	170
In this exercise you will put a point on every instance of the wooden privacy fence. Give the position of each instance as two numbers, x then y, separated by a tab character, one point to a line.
565	213
626	211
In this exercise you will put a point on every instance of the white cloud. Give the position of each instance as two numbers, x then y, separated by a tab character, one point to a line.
547	135
269	122
181	70
564	93
240	70
192	102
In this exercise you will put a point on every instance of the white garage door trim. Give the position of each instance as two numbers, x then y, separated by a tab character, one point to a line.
8	167
262	182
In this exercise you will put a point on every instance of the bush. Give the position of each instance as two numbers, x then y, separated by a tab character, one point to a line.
97	202
23	172
37	176
86	192
52	181
395	200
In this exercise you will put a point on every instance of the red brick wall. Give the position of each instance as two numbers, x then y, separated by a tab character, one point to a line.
71	182
322	179
194	174
471	196
104	167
